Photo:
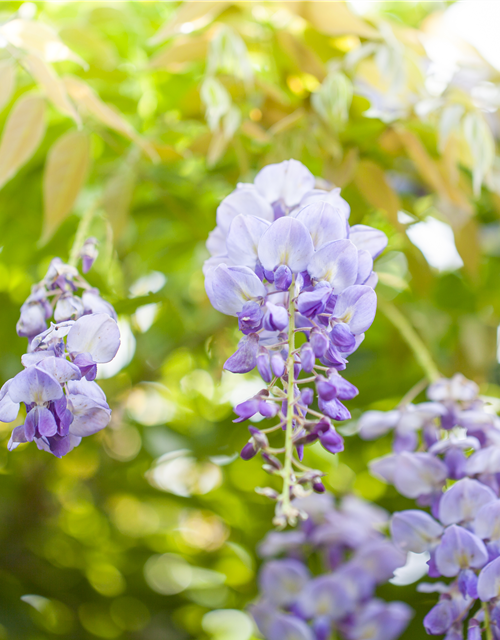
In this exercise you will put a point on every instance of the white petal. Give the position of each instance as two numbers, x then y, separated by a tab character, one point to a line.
97	334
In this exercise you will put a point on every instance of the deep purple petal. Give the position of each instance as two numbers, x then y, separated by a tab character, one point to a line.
245	358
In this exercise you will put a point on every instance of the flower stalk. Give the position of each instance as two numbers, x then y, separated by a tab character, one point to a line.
412	339
288	512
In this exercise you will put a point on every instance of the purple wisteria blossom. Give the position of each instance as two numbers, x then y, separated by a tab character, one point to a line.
57	389
353	557
447	457
285	262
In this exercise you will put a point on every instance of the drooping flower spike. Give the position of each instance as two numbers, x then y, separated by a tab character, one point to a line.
62	402
353	557
285	261
447	457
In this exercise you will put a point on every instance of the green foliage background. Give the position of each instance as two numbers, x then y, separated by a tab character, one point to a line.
86	534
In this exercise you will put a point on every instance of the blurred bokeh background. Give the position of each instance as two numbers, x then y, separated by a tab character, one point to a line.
147	114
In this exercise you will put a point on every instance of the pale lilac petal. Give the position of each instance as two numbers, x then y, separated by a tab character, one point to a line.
68	307
34	385
216	242
243	240
356	306
368	239
89	416
288	627
281	581
229	288
378	620
462	501
288	181
286	242
46	422
385	467
487	521
380	558
485	460
459	549
488	584
17	437
212	263
97	334
90	389
60	369
335	263
419	474
323	222
455	388
374	424
246	201
333	198
415	530
30	359
93	303
326	596
8	408
365	266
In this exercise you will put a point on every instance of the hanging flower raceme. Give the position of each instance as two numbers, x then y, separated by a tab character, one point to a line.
447	457
56	387
339	601
286	262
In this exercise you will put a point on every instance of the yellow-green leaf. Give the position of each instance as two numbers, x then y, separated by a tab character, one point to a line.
65	172
51	85
36	37
117	198
7	81
183	51
336	19
84	96
195	14
371	182
23	132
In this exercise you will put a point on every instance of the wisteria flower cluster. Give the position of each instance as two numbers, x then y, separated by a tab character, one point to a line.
447	457
62	401
339	601
285	262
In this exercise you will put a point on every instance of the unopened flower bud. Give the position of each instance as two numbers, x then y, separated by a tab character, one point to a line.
88	254
283	277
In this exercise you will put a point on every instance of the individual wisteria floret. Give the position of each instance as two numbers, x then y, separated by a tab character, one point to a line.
287	264
339	600
62	402
447	457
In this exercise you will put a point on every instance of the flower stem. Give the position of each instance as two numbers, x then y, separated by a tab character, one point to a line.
487	624
413	392
82	233
412	339
287	467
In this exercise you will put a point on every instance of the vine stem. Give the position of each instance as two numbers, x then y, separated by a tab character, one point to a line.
487	624
412	339
287	467
82	233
